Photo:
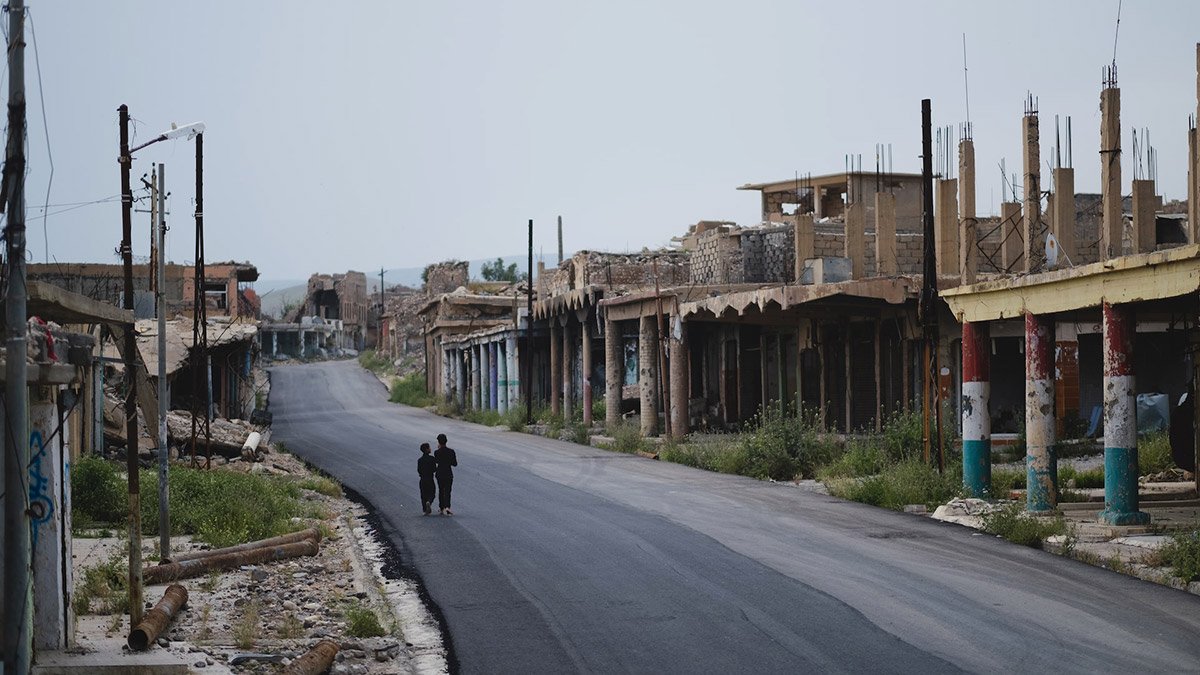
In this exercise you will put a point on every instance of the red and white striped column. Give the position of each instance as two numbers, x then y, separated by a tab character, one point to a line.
1120	420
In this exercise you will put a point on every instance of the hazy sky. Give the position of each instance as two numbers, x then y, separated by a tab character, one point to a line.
355	135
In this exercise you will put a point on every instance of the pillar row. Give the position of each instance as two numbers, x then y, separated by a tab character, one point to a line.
614	370
1120	421
976	416
1041	465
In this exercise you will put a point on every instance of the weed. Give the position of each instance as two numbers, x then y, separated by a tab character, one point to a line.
486	417
906	482
627	438
98	494
361	622
1005	481
410	390
1154	454
118	620
204	633
861	458
554	424
1087	479
104	587
599	409
321	484
1012	523
290	627
1182	554
514	418
580	433
281	447
247	629
1117	565
375	363
1068	496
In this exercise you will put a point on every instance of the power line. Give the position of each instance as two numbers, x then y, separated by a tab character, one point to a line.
45	128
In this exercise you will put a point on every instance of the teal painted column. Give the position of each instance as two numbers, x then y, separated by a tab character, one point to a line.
1041	464
976	416
1120	421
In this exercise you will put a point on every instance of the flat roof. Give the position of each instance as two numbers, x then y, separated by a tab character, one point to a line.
822	180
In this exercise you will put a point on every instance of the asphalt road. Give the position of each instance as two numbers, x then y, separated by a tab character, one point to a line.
565	558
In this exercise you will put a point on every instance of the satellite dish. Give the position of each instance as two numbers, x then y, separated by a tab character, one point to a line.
1051	250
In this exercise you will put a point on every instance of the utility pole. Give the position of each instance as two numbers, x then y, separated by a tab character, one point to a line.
201	370
929	298
379	325
560	248
527	362
164	518
664	395
131	434
18	555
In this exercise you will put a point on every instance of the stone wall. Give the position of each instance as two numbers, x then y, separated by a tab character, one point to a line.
717	257
445	277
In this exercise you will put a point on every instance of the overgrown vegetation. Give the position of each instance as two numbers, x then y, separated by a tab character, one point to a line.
498	271
1182	554
321	484
627	438
221	508
1154	453
361	622
410	390
487	417
1017	526
908	481
248	627
103	588
374	362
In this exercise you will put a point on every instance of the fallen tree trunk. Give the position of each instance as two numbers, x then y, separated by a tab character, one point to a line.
191	568
146	632
311	533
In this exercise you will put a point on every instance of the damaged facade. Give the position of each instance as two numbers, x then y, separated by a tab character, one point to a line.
331	319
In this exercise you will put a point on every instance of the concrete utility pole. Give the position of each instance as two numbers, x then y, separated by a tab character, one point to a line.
17	618
929	297
164	519
560	246
379	325
528	386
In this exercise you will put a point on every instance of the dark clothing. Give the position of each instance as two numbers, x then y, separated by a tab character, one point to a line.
444	484
446	461
426	466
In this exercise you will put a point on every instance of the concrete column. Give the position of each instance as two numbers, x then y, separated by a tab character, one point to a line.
568	385
976	415
513	368
1120	420
555	368
1193	178
301	343
50	524
1110	173
274	344
1063	214
1145	203
968	263
1041	464
585	335
1032	177
614	372
886	261
1011	226
476	378
459	376
648	374
679	382
855	240
804	242
502	377
946	220
447	383
495	373
485	376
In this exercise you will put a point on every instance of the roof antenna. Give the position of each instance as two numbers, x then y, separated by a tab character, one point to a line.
1116	32
966	88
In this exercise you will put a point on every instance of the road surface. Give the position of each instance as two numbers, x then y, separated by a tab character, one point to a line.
565	558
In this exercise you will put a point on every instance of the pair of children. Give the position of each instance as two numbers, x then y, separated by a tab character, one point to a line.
438	467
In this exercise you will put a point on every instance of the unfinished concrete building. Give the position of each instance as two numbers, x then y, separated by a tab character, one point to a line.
331	319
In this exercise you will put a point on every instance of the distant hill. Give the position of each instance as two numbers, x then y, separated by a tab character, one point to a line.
277	293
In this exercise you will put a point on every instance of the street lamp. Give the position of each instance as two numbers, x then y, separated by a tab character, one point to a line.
194	130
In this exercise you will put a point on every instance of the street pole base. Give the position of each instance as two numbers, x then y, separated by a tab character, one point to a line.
1114	517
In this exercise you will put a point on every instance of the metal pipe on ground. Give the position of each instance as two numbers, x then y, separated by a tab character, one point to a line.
315	661
311	533
192	568
146	632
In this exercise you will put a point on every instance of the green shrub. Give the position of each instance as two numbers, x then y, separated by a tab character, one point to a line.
599	410
1012	523
861	458
1182	553
410	390
485	417
514	418
361	622
321	484
1154	454
104	587
903	436
1005	481
581	433
222	508
627	438
782	446
906	482
98	492
1090	478
374	362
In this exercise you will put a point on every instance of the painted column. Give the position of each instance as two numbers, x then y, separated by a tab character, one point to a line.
555	369
648	374
976	416
485	377
459	392
585	335
514	370
493	376
679	381
301	343
50	523
1120	421
614	373
476	380
502	380
567	389
274	344
1041	465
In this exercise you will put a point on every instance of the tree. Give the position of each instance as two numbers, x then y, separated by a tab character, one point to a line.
497	271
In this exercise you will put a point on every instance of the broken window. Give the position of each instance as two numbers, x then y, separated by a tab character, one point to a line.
215	295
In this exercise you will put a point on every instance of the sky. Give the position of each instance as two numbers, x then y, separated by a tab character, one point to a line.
360	135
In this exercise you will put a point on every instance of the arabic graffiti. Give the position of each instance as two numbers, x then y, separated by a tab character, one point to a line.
41	505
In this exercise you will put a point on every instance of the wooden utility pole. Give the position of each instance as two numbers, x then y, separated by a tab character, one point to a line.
930	399
527	361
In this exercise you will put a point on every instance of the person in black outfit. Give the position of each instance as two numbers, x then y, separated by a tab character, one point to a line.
426	467
446	460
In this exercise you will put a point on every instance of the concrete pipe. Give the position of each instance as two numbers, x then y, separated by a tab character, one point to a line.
315	661
157	619
198	566
303	535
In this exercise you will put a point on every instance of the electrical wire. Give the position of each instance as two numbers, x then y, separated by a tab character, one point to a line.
45	128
